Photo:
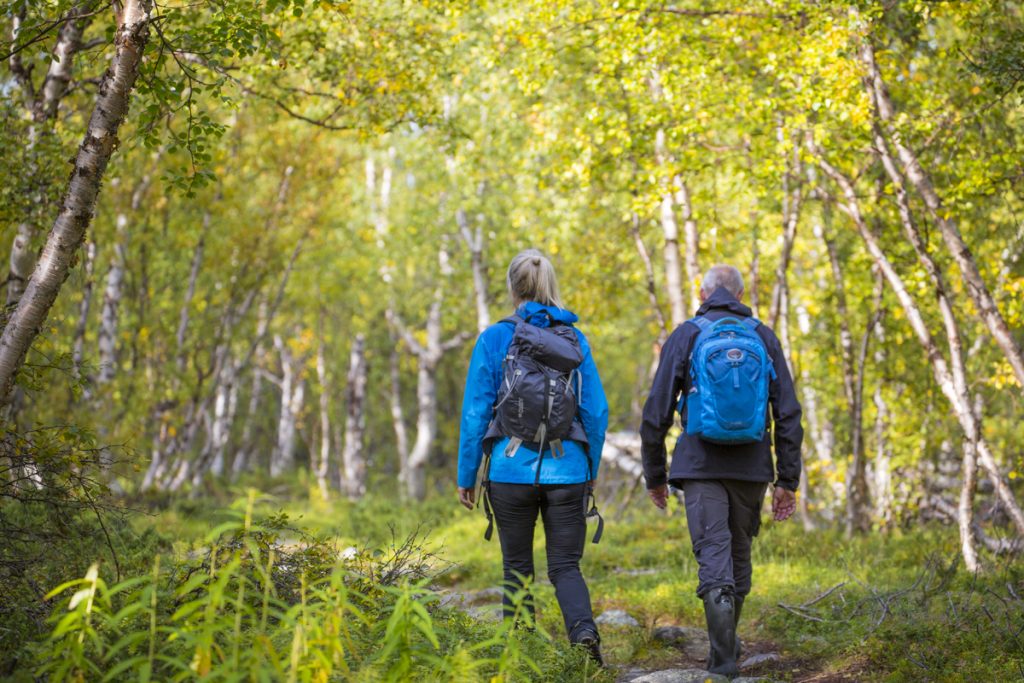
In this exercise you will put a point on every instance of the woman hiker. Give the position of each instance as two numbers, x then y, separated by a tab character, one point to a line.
534	414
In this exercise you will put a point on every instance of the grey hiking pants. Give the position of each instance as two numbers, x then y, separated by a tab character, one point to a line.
723	516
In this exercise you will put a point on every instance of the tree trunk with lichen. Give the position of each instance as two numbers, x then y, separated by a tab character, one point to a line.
68	231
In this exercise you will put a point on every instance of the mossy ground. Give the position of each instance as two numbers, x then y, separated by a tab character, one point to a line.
905	611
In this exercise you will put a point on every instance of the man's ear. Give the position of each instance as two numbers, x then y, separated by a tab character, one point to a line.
703	295
739	295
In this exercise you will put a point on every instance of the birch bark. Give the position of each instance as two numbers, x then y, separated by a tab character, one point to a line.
944	376
922	181
68	232
353	456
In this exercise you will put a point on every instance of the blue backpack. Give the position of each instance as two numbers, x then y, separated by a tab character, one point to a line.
730	372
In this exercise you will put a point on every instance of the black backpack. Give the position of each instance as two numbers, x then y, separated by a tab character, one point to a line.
537	401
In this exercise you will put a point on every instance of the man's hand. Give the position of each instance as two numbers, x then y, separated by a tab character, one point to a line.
659	496
467	497
783	504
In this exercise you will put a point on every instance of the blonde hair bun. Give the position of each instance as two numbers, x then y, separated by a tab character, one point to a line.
531	277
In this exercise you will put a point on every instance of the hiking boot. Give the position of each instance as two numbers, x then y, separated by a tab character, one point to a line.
720	612
737	602
592	643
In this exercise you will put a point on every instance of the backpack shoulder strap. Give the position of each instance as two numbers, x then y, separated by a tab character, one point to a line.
701	322
512	319
751	323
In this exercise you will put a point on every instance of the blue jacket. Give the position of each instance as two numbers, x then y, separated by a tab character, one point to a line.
482	382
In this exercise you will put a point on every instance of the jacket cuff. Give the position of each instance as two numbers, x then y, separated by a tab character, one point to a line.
788	484
656	481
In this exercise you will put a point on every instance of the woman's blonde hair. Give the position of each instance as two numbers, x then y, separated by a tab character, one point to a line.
531	277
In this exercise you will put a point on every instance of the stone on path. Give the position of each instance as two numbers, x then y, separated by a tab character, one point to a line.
760	660
465	599
681	676
647	571
616	617
751	679
692	641
486	613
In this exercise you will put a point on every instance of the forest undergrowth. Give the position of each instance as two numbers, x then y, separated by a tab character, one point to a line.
288	587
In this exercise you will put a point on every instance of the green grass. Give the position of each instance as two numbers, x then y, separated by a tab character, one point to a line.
905	610
946	625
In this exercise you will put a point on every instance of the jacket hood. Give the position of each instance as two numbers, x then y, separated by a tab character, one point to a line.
723	300
533	313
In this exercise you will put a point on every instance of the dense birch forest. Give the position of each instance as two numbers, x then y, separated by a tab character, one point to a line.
251	243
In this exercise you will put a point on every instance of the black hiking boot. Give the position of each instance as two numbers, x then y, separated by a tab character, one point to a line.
720	612
592	643
737	603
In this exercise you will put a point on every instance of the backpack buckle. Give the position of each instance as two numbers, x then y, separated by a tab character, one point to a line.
513	446
557	449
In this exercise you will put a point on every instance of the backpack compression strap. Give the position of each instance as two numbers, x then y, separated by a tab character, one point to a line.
484	497
589	496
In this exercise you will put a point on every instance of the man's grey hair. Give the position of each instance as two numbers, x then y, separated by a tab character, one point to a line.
722	275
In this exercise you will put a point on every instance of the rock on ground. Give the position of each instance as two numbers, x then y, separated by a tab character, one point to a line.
616	617
681	676
692	641
465	600
759	660
486	613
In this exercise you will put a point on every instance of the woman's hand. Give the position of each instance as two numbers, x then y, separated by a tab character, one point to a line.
467	497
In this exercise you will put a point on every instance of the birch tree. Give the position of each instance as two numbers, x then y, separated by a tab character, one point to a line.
428	355
353	456
946	378
922	181
68	232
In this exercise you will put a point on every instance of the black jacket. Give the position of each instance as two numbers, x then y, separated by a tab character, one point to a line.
697	459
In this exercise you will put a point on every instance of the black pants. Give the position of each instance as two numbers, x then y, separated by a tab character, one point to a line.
561	506
723	516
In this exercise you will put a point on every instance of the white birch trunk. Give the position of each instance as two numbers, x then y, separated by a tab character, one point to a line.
78	205
398	416
324	461
245	446
857	496
107	340
691	244
292	397
427	356
78	353
670	230
792	199
474	240
42	107
944	376
224	405
965	508
353	457
925	186
755	269
190	292
883	491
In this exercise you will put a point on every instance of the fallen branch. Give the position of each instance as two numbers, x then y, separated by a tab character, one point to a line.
824	595
797	612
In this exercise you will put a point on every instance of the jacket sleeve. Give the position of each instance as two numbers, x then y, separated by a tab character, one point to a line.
660	408
477	409
786	414
593	408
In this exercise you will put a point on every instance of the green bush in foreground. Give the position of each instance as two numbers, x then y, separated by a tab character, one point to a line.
254	608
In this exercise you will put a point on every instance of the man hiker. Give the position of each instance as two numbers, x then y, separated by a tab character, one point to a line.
726	375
